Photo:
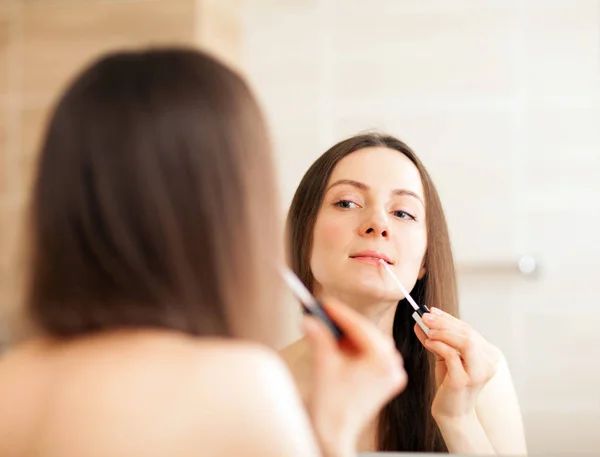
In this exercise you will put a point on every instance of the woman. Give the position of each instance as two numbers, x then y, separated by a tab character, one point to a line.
369	198
152	281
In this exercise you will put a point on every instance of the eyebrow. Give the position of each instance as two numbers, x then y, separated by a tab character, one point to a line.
363	186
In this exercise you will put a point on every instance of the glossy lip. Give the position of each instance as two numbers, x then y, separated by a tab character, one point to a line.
376	255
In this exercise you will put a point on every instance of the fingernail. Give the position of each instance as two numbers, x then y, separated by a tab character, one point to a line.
431	332
436	311
428	317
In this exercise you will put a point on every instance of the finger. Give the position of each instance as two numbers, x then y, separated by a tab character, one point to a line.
437	319
464	341
452	337
447	316
455	369
476	361
456	332
423	338
320	338
420	334
358	331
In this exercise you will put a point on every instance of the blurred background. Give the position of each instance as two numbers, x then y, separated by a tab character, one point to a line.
500	99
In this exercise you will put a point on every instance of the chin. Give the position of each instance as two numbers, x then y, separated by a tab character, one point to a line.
373	289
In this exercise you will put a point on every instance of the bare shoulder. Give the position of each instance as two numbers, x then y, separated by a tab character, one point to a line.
245	369
149	394
240	351
229	362
251	394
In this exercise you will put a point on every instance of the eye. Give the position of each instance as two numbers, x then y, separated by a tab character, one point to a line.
346	204
404	215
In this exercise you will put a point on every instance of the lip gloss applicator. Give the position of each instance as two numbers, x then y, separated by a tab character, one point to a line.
419	310
309	303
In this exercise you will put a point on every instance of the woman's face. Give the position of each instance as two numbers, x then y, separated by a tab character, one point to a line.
373	208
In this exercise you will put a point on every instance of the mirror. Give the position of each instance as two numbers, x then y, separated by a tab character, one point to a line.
500	100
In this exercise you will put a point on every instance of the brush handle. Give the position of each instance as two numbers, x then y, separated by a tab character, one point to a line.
320	314
418	314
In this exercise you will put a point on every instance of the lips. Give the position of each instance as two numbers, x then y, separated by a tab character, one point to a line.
376	255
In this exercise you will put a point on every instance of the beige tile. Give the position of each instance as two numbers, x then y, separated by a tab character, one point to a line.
60	37
561	47
562	162
219	30
4	64
231	6
269	6
268	62
4	268
8	17
76	2
9	149
4	55
34	120
7	233
11	239
287	79
4	159
556	348
300	152
9	8
566	240
562	433
449	54
372	11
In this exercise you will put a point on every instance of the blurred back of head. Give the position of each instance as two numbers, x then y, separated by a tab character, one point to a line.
154	203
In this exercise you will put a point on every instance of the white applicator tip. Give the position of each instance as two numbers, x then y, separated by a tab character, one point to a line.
399	284
419	310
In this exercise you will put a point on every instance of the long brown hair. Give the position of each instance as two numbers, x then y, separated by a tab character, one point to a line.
154	202
405	424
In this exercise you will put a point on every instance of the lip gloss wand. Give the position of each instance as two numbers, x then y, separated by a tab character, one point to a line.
419	310
309	303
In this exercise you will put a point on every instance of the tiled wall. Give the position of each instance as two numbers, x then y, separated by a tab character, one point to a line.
501	99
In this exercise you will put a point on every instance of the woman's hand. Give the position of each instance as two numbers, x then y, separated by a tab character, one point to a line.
353	378
465	364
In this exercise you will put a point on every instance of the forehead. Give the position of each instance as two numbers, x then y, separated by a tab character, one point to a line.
379	168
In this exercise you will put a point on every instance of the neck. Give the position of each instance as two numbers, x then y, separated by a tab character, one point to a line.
379	312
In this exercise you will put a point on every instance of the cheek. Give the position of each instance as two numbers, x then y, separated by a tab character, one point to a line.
411	246
328	238
328	230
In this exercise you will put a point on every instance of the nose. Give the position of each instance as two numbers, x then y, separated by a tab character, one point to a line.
375	224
